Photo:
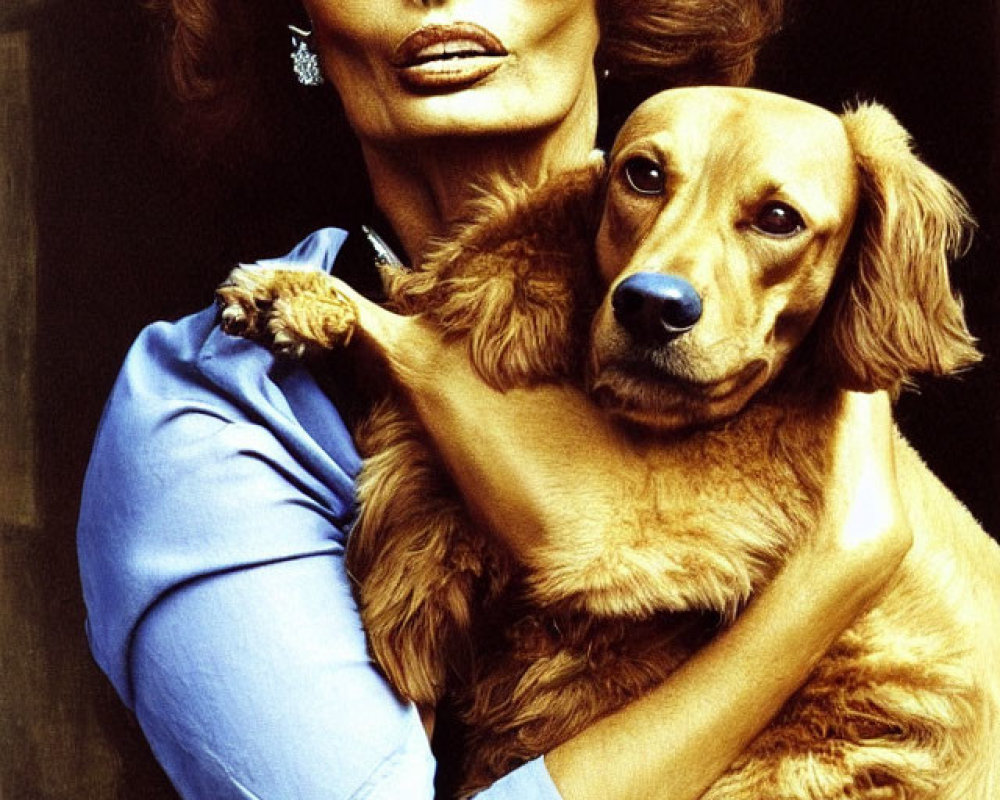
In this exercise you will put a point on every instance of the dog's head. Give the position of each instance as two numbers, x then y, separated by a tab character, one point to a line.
733	220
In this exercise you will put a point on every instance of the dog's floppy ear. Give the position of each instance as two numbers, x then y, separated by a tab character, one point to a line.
894	313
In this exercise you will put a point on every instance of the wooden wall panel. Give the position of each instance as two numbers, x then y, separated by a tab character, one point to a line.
18	262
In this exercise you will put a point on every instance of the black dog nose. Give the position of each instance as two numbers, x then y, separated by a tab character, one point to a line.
655	307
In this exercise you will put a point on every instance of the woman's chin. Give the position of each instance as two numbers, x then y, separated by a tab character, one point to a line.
450	105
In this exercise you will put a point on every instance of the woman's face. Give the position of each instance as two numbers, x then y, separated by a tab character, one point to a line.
409	70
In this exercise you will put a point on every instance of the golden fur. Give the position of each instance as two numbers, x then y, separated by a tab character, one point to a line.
734	459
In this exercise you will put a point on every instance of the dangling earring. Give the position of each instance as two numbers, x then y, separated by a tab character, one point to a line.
305	63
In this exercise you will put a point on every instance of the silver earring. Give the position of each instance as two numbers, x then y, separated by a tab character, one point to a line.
305	63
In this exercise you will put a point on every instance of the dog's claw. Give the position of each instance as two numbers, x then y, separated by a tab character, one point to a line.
286	345
243	300
234	320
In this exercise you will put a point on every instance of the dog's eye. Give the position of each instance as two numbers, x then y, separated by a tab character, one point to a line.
644	176
779	219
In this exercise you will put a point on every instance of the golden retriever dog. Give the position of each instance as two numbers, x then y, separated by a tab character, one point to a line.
741	263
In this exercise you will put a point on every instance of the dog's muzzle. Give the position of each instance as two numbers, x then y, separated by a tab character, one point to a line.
655	308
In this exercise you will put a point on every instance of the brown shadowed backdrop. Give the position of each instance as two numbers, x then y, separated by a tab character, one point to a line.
105	226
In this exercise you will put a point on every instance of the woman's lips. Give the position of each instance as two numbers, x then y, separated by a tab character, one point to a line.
444	57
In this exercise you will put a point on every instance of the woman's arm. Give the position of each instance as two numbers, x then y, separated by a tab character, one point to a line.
515	446
707	713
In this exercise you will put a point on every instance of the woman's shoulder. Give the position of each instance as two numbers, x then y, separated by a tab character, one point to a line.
185	381
191	364
191	368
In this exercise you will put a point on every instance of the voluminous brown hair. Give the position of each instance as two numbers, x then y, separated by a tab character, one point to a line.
227	61
683	42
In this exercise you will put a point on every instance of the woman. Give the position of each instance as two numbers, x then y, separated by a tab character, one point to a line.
220	487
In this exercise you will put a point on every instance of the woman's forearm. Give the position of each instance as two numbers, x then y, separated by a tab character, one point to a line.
676	741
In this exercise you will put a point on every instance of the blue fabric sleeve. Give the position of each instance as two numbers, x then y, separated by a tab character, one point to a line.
211	542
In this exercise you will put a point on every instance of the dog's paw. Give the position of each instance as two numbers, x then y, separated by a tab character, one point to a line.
300	323
292	311
244	299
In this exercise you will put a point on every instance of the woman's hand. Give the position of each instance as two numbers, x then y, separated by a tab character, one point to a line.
864	527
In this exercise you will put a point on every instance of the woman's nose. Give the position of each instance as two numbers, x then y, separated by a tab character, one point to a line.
655	308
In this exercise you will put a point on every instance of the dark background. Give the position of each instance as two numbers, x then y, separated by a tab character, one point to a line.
129	232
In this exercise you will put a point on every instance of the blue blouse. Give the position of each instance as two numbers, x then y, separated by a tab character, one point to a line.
211	545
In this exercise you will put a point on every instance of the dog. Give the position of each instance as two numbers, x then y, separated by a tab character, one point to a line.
741	263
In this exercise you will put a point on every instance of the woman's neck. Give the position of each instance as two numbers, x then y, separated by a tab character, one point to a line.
422	187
